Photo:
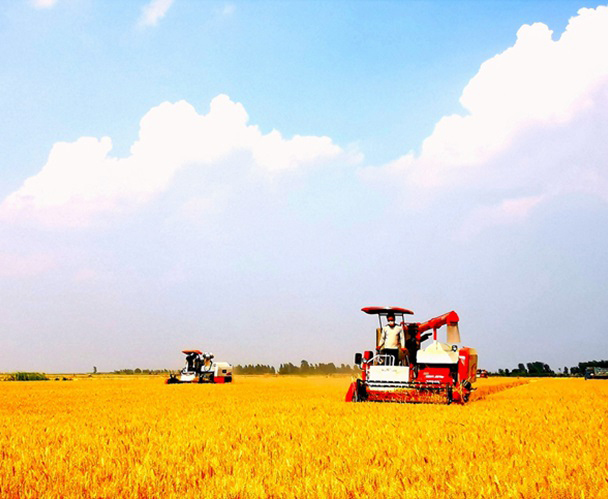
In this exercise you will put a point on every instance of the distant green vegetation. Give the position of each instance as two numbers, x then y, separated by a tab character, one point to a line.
21	376
538	368
251	369
140	371
305	368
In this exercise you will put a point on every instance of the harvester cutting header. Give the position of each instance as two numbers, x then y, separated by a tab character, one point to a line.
400	370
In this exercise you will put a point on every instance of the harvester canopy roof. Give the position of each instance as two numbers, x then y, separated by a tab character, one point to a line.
387	311
192	351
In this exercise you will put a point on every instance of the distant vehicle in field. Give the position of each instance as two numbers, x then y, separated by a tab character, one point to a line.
440	372
482	373
596	373
201	368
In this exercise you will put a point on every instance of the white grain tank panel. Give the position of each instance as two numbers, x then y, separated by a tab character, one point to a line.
222	369
437	353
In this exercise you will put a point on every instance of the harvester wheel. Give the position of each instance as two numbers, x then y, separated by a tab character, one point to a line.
360	394
450	395
356	395
465	391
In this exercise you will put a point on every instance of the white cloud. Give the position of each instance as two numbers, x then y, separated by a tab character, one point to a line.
43	4
535	127
199	207
505	213
153	12
82	180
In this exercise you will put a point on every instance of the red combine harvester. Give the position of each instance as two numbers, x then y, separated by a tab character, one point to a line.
440	372
201	368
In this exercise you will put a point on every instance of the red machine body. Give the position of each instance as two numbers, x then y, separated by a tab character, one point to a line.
440	372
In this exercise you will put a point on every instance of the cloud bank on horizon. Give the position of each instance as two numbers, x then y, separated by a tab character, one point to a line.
82	180
534	128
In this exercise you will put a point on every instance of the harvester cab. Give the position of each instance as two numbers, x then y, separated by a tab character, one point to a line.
201	368
438	372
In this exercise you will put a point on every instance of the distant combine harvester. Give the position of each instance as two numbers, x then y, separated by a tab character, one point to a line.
596	373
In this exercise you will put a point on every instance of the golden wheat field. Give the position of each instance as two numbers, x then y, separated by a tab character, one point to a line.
296	437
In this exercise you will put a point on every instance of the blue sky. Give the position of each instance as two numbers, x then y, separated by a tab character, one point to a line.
243	177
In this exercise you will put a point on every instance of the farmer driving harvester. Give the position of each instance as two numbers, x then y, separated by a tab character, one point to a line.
191	359
392	339
399	340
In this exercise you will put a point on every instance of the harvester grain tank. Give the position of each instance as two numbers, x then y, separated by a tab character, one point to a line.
439	372
201	368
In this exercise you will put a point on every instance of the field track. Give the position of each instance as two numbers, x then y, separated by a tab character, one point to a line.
489	386
295	437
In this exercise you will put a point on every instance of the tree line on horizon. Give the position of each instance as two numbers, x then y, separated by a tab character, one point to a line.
139	371
532	369
305	368
539	369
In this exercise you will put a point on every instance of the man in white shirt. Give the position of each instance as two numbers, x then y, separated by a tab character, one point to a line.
391	339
